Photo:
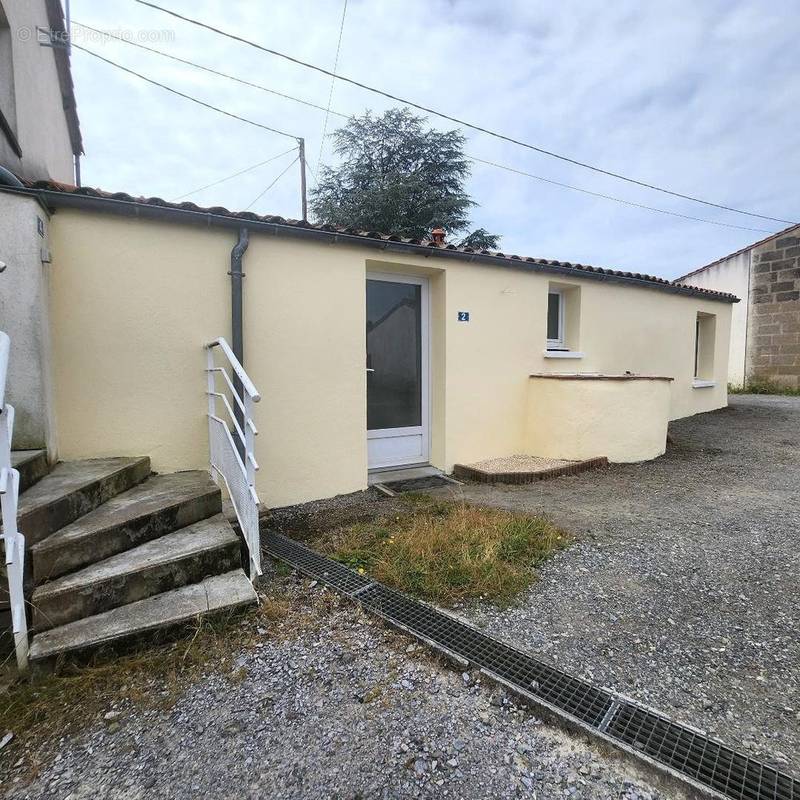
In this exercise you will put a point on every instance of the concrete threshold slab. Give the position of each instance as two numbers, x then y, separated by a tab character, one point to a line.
401	474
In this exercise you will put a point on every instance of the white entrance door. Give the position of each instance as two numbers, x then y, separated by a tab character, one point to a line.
397	370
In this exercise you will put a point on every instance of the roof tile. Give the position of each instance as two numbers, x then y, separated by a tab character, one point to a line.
54	186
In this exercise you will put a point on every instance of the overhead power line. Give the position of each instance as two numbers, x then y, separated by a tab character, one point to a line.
456	120
294	161
333	83
236	174
611	197
210	70
346	116
185	96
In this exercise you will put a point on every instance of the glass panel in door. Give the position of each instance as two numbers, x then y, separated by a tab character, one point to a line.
394	355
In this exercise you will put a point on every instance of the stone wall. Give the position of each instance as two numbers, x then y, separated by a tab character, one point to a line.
773	331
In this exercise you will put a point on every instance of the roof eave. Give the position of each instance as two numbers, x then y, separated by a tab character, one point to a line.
55	19
56	199
759	243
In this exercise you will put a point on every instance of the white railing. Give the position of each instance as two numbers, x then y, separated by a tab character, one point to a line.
231	442
13	540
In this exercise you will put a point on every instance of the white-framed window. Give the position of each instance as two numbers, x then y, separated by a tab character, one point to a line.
705	330
555	320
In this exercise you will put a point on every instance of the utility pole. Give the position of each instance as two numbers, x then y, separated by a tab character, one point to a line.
302	158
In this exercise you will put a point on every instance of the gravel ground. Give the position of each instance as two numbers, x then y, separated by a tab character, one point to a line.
332	705
682	590
519	463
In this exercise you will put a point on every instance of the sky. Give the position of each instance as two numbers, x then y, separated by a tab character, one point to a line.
702	98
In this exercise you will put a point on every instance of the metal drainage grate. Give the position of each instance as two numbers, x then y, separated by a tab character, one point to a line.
329	572
682	751
703	759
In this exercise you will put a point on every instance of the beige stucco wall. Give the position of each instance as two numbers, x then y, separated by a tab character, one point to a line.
131	306
134	300
625	420
731	275
31	98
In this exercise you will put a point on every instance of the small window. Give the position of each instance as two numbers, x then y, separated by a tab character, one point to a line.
704	344
555	320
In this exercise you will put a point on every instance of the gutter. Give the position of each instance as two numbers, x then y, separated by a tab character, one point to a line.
146	211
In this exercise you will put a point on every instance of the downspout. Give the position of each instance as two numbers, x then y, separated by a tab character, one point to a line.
237	332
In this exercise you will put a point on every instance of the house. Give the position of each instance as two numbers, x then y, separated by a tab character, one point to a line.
40	138
370	350
765	328
121	400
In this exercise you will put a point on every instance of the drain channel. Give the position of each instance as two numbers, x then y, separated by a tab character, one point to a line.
676	749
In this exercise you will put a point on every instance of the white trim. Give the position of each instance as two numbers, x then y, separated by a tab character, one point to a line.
562	354
556	343
423	430
700	384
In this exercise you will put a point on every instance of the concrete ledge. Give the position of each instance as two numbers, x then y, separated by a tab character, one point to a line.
597	376
465	472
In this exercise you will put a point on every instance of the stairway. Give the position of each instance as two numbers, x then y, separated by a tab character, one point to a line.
114	552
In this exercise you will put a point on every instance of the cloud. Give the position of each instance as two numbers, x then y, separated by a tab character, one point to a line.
698	97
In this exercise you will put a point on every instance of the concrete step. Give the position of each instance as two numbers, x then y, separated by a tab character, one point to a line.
32	466
74	488
162	504
208	547
213	594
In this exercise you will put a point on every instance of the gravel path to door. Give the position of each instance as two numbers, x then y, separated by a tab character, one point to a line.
683	590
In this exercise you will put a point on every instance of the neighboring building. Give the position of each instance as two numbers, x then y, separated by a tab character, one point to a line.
476	354
39	139
765	329
39	132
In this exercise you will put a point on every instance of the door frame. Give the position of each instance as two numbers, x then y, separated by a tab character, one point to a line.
425	375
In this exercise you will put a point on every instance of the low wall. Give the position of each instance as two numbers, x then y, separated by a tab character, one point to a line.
622	417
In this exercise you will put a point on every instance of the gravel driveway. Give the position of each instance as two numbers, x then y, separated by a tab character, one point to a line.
332	705
683	590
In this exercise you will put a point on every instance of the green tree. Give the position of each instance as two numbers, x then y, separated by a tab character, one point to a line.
397	175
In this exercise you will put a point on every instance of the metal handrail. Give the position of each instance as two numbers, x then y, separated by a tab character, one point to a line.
247	384
5	350
13	540
234	465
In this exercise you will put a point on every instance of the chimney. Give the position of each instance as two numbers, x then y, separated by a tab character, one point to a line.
437	234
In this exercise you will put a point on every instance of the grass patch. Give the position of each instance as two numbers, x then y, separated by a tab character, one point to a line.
446	551
763	387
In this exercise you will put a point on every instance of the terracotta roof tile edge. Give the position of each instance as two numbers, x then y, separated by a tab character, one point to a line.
53	187
778	235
